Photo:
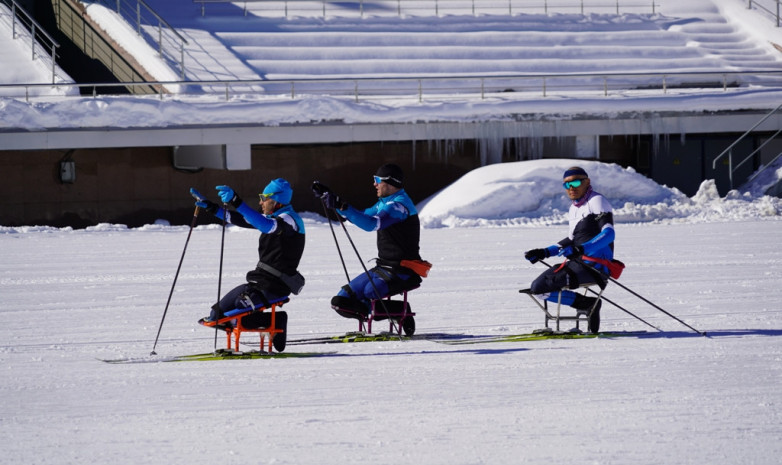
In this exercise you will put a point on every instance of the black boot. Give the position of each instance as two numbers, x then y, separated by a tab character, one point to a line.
280	322
349	308
584	305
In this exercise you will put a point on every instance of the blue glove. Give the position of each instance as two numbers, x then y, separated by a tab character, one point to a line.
571	251
196	195
202	202
227	195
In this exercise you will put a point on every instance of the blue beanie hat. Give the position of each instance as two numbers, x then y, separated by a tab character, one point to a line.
575	171
281	191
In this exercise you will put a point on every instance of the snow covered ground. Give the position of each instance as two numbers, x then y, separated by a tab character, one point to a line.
70	297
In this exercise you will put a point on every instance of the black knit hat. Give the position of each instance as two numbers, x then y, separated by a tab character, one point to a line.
392	174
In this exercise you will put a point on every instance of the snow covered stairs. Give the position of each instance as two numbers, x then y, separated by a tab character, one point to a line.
381	45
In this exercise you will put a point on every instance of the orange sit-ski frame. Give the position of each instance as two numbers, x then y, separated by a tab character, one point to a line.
237	329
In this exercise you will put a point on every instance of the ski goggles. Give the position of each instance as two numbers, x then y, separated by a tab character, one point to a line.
573	183
267	196
379	179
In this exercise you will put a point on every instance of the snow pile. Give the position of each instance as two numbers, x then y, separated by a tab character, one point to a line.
530	193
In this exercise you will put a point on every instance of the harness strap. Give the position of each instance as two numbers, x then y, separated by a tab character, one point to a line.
269	269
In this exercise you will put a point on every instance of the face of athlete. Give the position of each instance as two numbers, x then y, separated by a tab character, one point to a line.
575	193
267	205
384	189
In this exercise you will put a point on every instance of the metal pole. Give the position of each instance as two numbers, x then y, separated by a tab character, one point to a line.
54	63
730	167
613	303
32	39
644	299
179	267
220	272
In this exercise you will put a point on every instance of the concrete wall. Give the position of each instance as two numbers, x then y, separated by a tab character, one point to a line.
136	186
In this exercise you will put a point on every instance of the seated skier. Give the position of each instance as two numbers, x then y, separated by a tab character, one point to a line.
395	219
280	248
591	234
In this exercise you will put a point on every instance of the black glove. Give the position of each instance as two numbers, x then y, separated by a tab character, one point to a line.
330	199
209	206
536	255
318	189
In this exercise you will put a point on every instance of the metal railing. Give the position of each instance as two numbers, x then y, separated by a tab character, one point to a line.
161	35
729	151
435	7
21	23
759	5
454	87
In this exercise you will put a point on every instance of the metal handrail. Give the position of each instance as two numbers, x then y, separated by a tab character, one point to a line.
37	33
729	151
133	12
437	7
479	85
762	7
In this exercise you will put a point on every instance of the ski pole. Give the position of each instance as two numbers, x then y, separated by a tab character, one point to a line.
334	235
615	304
171	293
646	300
220	272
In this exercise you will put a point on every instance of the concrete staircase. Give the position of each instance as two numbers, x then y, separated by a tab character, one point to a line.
18	65
389	46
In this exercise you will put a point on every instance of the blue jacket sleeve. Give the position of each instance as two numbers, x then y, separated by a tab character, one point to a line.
383	214
258	220
361	219
599	242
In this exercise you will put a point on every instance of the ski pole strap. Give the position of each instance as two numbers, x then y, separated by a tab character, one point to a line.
615	267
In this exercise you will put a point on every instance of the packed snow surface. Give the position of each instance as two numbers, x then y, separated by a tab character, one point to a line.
72	297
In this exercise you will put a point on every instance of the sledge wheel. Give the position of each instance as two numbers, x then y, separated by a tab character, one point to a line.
408	326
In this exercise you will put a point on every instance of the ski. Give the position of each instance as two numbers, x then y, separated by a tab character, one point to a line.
221	354
539	336
353	337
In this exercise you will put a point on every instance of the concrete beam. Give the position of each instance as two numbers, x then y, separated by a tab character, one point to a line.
335	132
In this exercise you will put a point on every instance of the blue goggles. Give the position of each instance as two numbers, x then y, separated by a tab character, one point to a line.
573	183
378	179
